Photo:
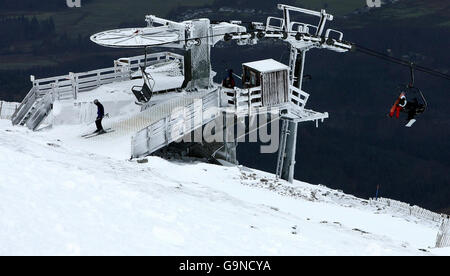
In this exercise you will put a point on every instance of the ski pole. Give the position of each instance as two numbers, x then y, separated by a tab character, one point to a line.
106	116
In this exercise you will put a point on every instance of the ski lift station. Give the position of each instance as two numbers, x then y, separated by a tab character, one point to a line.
155	99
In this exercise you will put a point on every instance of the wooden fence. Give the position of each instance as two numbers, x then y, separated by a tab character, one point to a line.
7	109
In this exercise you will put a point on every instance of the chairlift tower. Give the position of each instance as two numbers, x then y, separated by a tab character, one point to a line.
302	37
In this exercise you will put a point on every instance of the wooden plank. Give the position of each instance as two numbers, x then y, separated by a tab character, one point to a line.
51	79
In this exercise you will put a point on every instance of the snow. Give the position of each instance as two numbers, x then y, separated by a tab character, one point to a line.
167	76
266	66
164	82
59	195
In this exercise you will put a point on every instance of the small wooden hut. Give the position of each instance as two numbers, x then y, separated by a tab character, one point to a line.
273	78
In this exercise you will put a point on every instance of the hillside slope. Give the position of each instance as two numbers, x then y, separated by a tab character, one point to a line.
56	199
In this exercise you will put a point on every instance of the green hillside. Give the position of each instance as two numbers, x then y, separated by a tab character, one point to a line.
336	7
98	15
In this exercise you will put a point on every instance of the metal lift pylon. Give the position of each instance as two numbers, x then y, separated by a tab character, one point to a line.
289	132
299	46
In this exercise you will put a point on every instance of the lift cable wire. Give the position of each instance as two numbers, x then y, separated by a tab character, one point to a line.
403	62
357	47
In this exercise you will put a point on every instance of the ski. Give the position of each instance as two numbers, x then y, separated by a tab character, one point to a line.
94	133
86	135
411	123
99	134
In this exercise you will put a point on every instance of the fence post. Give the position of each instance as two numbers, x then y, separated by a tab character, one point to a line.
115	70
236	104
33	82
249	103
72	78
1	106
53	92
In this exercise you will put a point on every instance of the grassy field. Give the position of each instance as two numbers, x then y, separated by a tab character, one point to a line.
408	9
100	15
105	14
335	7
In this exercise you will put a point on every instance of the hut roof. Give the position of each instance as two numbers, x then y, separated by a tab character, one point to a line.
267	66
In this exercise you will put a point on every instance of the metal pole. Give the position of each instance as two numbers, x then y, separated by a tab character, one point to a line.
291	139
145	58
291	147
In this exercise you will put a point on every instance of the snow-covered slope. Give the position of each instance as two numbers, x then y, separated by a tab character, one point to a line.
58	197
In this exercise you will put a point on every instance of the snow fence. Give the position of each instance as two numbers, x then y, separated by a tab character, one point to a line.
443	236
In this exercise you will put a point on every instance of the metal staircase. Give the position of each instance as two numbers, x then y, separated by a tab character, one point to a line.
39	112
171	121
33	110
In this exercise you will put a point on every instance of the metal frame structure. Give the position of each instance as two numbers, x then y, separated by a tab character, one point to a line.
301	37
197	37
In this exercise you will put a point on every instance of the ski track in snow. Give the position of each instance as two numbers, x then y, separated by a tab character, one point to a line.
60	195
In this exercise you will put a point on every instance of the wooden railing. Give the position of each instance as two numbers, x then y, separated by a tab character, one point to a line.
68	87
242	100
247	99
298	97
24	107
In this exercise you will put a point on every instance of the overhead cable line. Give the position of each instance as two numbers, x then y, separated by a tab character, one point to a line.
356	46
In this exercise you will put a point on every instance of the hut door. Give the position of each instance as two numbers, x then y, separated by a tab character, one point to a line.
275	88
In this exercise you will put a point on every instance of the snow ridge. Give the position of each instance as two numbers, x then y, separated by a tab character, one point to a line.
62	196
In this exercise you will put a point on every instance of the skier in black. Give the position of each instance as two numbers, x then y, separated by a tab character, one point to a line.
229	82
100	115
413	108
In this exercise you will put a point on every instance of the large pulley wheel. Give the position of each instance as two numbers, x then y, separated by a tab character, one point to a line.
137	37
